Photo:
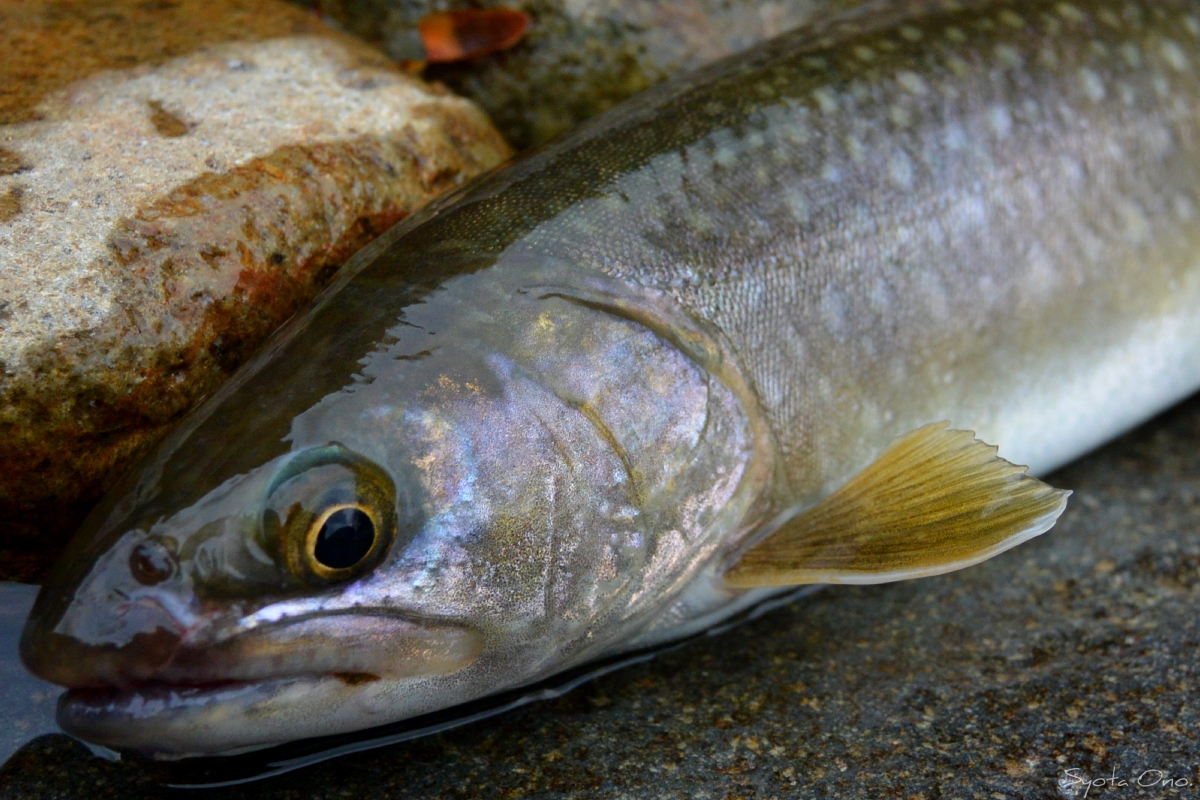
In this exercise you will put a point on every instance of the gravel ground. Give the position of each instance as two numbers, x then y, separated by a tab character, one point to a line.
1070	659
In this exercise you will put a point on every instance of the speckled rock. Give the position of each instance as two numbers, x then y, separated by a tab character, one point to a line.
582	57
1072	658
158	222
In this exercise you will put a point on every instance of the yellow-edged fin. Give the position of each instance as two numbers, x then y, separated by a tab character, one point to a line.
935	500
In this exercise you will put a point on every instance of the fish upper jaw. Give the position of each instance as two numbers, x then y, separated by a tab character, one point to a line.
125	692
374	644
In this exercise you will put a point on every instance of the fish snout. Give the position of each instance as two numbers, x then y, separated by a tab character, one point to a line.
143	643
84	648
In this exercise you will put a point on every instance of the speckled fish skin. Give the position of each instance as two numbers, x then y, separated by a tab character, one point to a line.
593	377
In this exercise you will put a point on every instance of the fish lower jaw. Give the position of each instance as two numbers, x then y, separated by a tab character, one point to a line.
169	721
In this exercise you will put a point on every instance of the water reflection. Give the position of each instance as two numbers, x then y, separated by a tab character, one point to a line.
28	702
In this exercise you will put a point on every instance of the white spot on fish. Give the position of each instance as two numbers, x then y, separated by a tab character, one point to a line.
831	174
1158	141
1048	58
911	82
796	203
1174	56
1093	86
1012	18
932	291
1131	54
1000	121
1072	170
1041	278
1008	56
826	100
699	222
973	211
1070	12
910	33
900	116
1185	209
856	150
1109	18
1136	227
880	296
864	53
955	138
957	65
1192	24
900	170
833	311
955	34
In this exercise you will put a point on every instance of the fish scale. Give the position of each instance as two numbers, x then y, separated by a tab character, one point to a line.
894	255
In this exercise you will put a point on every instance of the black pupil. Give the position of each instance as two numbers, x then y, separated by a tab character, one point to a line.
345	538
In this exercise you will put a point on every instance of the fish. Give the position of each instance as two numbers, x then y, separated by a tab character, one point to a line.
803	317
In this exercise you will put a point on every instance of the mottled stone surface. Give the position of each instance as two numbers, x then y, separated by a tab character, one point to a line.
48	45
581	57
158	222
1073	656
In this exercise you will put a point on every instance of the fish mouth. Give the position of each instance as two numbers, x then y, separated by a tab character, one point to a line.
169	721
257	686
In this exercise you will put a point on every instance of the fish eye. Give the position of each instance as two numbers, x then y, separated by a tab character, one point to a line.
330	515
342	537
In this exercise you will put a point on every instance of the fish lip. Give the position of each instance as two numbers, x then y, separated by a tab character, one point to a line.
132	718
115	701
166	721
293	679
357	645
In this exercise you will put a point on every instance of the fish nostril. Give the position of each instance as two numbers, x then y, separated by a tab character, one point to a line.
152	562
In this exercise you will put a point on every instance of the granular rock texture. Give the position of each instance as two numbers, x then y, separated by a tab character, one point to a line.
1068	660
157	223
49	44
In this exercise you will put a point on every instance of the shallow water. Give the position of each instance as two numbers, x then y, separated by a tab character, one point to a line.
28	702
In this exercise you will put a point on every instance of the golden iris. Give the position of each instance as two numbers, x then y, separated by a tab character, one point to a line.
330	514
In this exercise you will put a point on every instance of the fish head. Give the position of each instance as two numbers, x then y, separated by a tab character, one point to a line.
511	480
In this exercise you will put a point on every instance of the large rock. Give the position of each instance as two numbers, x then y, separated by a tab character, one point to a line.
157	222
581	57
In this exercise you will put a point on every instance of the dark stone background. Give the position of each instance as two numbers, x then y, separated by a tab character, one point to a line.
1077	651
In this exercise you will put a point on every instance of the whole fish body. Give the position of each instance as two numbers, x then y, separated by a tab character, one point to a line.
620	389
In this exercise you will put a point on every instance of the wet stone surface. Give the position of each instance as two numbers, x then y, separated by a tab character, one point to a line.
1071	658
581	57
176	180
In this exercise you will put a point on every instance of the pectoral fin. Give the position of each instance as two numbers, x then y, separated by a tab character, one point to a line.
935	500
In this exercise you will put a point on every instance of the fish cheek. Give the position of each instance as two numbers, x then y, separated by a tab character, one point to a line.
226	559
